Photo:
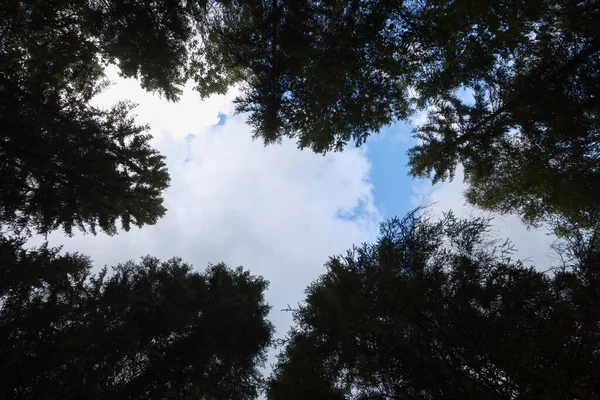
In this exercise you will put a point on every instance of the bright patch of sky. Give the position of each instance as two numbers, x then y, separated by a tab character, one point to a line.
392	186
277	211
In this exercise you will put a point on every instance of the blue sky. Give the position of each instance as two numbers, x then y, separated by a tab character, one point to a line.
392	186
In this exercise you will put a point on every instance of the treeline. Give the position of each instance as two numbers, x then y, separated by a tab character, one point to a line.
434	309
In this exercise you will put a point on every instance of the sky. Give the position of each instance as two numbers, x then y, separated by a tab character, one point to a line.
277	211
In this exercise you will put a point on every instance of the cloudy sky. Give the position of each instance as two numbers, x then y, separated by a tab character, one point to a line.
277	211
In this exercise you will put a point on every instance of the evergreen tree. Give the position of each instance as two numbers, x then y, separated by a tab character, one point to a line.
149	330
64	163
529	140
331	73
437	309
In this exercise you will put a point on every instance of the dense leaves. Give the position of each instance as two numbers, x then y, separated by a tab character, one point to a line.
325	73
432	310
330	73
149	330
149	40
529	141
439	310
63	162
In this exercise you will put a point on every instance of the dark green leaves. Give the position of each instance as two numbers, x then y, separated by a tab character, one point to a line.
325	73
149	330
64	163
437	309
331	73
148	40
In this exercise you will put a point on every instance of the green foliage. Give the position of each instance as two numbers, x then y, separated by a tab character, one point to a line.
330	73
529	142
63	162
148	40
436	309
149	330
324	72
302	374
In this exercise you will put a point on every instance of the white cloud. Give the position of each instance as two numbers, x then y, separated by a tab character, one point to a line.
274	210
188	115
531	245
419	118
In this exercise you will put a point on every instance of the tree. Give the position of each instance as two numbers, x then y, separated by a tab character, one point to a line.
147	40
438	309
330	73
149	330
302	374
63	162
325	73
529	141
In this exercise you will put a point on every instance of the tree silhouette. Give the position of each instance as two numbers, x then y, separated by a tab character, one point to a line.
436	309
148	330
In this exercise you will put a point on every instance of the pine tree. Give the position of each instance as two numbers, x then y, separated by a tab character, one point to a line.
63	162
148	330
439	309
328	74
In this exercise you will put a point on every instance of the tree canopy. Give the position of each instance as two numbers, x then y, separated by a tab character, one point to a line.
148	330
529	141
439	309
329	73
433	309
63	162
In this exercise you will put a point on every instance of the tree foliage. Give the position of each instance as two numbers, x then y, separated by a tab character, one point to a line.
149	330
63	162
334	72
325	73
329	73
529	142
437	309
433	309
